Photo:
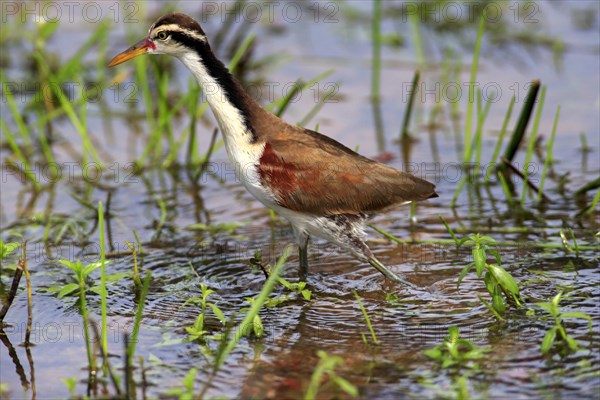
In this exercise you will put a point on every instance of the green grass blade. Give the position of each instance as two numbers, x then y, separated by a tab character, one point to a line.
138	317
505	188
23	131
481	116
588	186
473	77
318	78
407	114
450	231
18	154
69	110
367	319
415	32
376	39
288	97
141	75
74	65
86	326
500	139
254	309
315	109
548	154
531	144
523	121
459	188
103	278
239	53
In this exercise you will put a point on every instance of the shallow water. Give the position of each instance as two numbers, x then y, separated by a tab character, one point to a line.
279	364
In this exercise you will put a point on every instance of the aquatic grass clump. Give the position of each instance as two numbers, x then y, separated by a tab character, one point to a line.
251	325
297	287
92	334
453	241
456	352
461	358
294	287
6	249
11	138
80	226
499	283
81	277
81	287
186	390
326	367
556	338
197	330
506	166
78	120
49	100
232	335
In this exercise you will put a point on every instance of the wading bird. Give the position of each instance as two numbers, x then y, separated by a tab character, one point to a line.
320	186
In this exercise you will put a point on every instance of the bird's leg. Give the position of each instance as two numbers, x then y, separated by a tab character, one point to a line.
303	256
346	231
302	239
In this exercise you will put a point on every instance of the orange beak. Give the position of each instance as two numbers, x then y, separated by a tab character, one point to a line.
137	49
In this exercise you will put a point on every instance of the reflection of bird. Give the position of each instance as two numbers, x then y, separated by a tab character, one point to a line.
322	187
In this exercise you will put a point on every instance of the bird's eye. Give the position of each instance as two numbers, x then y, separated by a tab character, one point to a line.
162	35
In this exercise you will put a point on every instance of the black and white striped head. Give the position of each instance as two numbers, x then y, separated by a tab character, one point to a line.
180	36
174	34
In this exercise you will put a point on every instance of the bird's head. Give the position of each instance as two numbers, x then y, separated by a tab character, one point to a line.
173	34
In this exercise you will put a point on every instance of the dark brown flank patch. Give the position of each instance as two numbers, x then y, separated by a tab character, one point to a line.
286	179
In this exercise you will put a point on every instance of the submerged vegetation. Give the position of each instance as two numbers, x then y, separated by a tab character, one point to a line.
147	264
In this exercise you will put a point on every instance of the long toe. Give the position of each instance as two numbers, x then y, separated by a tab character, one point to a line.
389	274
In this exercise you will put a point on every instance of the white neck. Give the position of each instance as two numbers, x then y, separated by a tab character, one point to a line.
228	117
244	153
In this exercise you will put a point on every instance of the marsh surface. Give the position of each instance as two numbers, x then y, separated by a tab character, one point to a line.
206	229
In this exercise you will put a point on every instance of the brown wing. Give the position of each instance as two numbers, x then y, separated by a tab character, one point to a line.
310	172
